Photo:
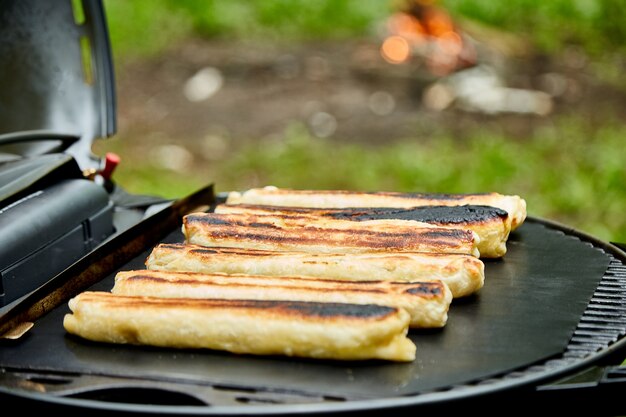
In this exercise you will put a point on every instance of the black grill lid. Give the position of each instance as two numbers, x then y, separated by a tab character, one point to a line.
49	229
56	76
18	178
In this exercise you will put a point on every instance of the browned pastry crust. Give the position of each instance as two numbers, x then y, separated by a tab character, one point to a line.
270	195
291	328
489	223
426	302
324	235
463	274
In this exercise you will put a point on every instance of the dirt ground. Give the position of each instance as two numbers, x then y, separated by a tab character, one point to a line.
341	90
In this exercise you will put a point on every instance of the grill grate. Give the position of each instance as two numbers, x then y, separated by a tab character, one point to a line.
604	320
603	323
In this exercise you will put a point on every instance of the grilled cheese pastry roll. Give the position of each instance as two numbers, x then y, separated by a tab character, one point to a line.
426	302
260	327
328	236
463	274
514	205
489	223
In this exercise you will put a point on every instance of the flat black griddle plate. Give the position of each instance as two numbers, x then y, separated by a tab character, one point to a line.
526	313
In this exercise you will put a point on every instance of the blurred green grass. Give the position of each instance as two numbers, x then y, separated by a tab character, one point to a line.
572	172
141	28
145	27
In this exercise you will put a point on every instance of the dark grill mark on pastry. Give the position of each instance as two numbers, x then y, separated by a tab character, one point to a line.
216	219
432	289
427	214
447	233
170	246
284	308
464	214
437	237
200	251
328	310
259	224
334	285
224	251
212	220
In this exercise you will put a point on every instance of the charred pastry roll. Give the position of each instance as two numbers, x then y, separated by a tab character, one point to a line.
489	223
514	205
324	235
463	274
426	302
259	327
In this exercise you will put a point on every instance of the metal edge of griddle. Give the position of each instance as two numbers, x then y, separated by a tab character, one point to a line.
111	254
517	386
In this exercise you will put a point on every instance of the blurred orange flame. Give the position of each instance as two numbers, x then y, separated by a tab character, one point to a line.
395	49
425	30
437	22
450	43
407	26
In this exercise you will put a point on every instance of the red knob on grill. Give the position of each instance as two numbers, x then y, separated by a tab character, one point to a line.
111	160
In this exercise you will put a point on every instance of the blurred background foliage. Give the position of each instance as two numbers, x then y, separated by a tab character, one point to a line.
143	27
570	168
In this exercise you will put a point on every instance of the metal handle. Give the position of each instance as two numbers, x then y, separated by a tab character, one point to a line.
622	246
599	386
